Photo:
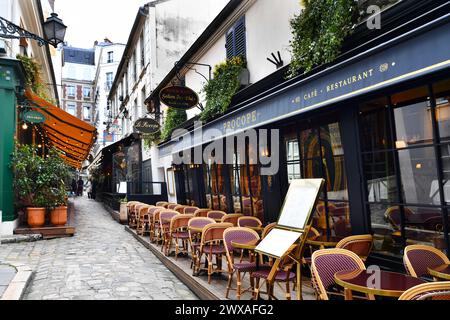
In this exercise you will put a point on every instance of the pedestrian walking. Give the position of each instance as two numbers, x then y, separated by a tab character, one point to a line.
74	187
80	187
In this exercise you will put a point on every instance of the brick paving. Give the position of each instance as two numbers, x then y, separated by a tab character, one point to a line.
102	261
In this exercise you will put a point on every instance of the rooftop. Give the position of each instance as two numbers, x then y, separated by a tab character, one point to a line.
79	56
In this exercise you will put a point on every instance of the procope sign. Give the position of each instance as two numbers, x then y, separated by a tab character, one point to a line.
147	126
179	97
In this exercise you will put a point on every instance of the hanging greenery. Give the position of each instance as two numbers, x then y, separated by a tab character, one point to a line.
220	90
319	32
33	79
151	139
174	118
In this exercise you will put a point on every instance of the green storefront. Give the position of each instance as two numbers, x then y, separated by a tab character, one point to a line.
11	82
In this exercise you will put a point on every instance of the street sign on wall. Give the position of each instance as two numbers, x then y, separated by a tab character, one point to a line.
146	126
33	117
179	97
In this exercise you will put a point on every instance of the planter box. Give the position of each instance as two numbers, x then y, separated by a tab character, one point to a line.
123	215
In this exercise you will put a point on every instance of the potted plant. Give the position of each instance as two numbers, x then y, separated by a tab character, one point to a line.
29	183
58	172
123	210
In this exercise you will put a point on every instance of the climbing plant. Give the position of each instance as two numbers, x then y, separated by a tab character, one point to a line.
220	90
151	139
174	118
33	79
319	32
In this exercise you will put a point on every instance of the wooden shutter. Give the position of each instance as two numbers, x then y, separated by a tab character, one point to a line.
236	40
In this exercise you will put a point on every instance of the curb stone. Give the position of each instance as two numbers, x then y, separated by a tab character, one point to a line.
19	283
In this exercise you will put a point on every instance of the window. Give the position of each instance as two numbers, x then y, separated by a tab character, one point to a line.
143	96
141	41
236	40
110	57
134	68
86	92
87	112
71	91
71	109
405	161
109	80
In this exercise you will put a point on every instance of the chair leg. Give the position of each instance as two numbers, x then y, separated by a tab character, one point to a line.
288	291
210	267
256	289
238	286
230	281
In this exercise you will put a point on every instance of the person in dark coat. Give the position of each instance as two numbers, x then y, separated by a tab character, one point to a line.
80	187
74	187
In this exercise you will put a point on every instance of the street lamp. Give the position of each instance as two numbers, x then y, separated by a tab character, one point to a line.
54	31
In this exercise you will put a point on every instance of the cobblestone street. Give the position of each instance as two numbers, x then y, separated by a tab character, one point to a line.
102	261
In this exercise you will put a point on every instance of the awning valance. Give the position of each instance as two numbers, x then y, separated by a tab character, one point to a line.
64	131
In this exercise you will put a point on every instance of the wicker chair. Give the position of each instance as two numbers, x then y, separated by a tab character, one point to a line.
178	232
417	258
162	204
190	210
180	208
172	206
143	220
428	291
231	218
202	213
279	272
134	216
267	229
165	217
154	223
131	213
216	215
249	222
360	244
242	235
195	237
325	263
211	245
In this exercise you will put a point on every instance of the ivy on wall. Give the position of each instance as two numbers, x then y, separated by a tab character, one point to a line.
33	79
152	139
220	90
174	118
319	32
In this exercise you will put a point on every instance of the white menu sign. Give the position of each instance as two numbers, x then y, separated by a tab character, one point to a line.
277	242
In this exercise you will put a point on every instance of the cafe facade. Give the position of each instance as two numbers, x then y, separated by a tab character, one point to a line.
375	125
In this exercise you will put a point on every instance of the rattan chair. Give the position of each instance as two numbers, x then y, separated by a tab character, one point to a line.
172	206
165	217
241	235
143	220
133	218
216	215
417	258
180	208
279	272
428	291
249	222
195	237
360	244
231	218
202	213
325	263
155	235
211	245
190	210
178	231
131	213
162	204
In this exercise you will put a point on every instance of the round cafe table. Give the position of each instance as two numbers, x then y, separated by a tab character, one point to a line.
440	272
391	284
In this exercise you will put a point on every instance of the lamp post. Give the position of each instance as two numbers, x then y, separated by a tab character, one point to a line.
54	31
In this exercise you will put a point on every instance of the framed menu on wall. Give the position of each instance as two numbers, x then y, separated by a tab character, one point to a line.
299	203
170	182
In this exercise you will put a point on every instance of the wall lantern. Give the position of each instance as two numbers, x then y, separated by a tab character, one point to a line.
54	31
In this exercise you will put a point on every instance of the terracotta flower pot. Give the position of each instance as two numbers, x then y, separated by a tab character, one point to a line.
58	216
36	217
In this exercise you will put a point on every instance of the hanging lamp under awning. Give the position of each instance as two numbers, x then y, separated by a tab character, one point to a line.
64	131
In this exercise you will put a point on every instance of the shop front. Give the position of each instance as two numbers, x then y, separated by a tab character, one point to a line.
376	127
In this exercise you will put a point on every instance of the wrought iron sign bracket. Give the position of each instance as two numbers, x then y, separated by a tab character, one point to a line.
188	64
11	31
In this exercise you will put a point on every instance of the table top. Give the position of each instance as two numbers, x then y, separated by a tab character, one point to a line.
442	271
390	284
251	245
327	241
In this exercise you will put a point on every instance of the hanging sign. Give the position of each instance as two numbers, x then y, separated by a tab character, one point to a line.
179	97
146	126
33	117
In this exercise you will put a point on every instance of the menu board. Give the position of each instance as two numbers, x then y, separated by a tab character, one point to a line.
299	203
277	242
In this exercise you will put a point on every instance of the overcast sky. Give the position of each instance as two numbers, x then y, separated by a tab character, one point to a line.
90	20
